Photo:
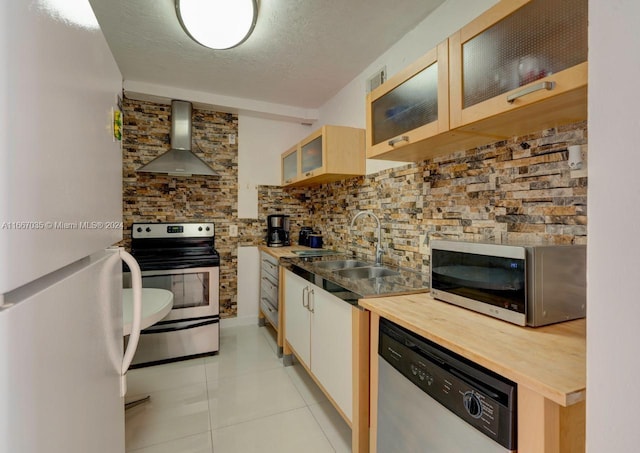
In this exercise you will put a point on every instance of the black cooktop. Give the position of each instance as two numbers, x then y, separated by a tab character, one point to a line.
165	246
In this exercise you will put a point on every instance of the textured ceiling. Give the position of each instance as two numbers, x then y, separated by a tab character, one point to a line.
301	52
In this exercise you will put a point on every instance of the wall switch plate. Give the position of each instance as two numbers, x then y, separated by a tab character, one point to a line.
233	231
582	172
232	139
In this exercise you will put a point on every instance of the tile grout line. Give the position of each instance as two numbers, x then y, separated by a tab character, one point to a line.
254	372
262	339
265	417
206	386
320	425
165	442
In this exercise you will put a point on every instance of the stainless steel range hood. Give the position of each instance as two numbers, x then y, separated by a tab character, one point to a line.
179	160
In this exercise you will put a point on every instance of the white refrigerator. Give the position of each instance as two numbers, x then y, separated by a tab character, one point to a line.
61	348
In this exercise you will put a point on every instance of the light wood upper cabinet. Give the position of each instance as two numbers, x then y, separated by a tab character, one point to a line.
520	67
290	163
409	108
329	154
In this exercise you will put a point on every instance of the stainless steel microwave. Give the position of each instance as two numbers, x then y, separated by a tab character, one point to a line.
527	285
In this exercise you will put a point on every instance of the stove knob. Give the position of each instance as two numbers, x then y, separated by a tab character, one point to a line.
139	229
199	228
148	229
208	229
472	404
414	370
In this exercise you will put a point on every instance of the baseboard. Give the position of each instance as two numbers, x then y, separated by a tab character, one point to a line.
239	321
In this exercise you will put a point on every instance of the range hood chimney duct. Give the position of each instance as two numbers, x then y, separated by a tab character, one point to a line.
179	160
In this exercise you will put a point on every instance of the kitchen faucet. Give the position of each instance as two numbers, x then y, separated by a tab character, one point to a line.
379	249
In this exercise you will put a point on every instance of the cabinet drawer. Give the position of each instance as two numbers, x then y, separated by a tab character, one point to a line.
270	269
269	312
269	290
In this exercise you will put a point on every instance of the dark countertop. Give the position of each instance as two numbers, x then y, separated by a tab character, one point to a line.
351	289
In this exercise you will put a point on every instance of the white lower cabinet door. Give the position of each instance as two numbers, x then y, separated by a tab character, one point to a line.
332	346
297	322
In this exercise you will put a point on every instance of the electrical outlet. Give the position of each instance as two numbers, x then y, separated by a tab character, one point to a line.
582	173
232	139
233	231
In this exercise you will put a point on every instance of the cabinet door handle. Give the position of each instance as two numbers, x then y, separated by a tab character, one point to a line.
528	90
305	299
310	307
393	141
309	173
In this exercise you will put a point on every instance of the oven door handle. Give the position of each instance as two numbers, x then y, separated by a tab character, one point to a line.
181	325
136	324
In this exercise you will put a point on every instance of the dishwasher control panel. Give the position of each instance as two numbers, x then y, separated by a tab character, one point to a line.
475	394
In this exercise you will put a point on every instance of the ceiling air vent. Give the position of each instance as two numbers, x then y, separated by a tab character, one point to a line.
377	79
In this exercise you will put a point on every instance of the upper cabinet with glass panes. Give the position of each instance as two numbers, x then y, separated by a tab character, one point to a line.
520	67
410	107
329	154
289	165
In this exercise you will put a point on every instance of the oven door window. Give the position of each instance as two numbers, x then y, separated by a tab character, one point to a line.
493	280
189	290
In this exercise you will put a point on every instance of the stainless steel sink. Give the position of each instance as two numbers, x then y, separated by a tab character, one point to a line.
341	264
366	272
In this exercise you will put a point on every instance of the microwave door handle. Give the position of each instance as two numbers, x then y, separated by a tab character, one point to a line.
136	324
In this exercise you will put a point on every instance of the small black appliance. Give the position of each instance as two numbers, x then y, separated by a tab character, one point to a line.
303	237
278	230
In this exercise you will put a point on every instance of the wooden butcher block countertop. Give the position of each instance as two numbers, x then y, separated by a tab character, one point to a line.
282	252
549	360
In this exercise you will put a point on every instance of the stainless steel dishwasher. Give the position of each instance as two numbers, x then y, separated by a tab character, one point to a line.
434	401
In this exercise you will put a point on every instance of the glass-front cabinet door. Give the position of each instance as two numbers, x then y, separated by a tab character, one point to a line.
312	156
329	154
410	107
519	52
290	165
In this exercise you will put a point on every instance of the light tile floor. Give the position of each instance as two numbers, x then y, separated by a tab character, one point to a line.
242	400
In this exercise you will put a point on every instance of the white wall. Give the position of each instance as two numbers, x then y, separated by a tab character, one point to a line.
613	320
248	287
261	142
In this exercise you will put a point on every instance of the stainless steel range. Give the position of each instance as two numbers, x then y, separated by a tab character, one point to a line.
179	257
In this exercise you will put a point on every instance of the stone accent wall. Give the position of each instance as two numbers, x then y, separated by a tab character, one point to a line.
515	190
157	198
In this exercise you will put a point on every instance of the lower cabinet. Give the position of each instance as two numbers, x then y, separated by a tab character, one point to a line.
331	347
319	329
297	317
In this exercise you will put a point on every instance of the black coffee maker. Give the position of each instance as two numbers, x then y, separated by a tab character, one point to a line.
278	230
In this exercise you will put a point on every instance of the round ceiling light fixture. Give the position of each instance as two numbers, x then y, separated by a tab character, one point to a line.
217	24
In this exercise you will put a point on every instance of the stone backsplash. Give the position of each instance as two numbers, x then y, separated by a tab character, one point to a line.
510	191
519	189
158	198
